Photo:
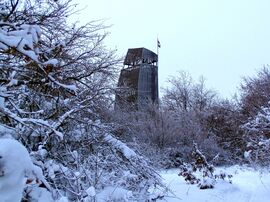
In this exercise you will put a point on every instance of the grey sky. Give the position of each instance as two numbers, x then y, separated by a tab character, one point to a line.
222	40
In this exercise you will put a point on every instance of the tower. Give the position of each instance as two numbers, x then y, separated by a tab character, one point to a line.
138	82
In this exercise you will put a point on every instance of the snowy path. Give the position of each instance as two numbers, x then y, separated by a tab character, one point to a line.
247	186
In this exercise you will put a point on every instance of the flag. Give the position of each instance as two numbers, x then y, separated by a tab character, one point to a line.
158	44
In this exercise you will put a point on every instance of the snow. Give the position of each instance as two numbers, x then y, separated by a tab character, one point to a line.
5	131
91	191
2	99
41	194
51	62
63	199
69	87
114	194
14	161
126	151
247	185
52	168
15	165
247	154
206	183
19	43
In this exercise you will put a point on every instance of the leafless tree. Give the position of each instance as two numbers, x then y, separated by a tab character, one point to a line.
184	94
254	92
178	95
202	98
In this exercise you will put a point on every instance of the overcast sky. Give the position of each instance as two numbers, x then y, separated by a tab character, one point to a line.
223	40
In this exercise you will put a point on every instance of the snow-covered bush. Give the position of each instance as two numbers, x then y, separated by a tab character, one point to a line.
257	134
15	167
255	107
96	161
200	171
164	135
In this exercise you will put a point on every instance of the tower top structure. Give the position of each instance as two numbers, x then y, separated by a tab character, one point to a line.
138	82
137	56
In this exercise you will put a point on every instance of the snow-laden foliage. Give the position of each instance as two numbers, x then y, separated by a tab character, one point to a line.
95	160
257	136
55	87
260	124
200	171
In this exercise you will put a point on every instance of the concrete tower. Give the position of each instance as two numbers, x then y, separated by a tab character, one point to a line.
138	81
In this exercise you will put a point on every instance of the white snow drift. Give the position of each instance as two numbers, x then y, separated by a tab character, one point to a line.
247	185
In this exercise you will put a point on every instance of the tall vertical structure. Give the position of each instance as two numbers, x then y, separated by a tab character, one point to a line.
138	81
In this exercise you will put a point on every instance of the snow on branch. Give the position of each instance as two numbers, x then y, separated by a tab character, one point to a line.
135	160
260	123
22	111
120	146
27	121
60	121
25	40
68	87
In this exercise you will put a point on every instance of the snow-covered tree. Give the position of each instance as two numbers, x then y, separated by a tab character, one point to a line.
55	86
257	134
254	102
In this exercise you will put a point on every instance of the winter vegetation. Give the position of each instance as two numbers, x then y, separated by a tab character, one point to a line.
61	139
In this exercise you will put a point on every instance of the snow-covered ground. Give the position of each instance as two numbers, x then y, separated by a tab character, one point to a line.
247	186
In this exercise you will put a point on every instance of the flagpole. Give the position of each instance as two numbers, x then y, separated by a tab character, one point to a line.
157	51
158	46
157	55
